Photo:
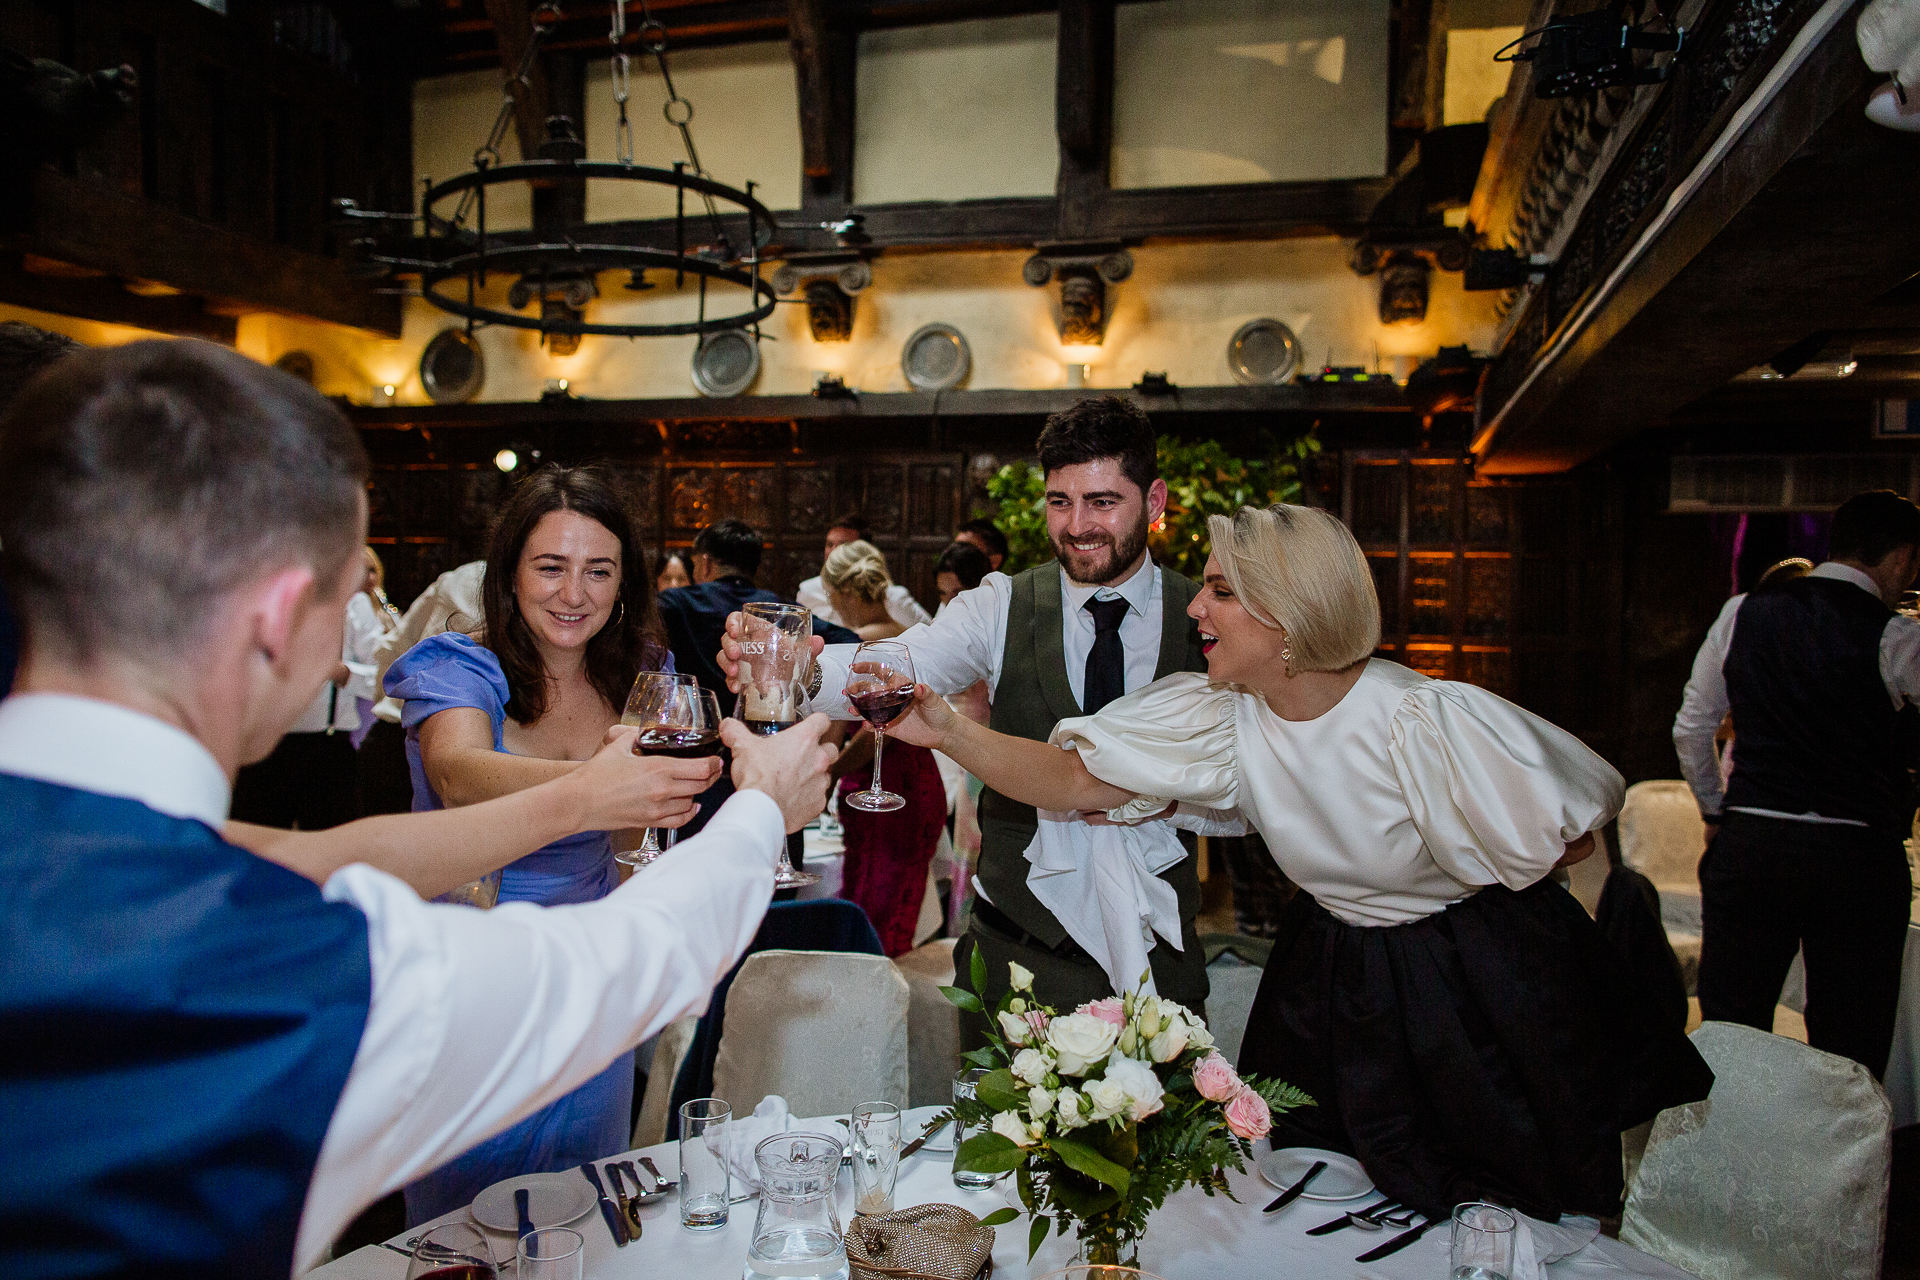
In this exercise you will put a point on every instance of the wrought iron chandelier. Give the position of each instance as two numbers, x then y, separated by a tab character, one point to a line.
558	263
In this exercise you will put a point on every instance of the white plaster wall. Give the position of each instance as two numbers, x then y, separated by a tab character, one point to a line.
1474	80
452	116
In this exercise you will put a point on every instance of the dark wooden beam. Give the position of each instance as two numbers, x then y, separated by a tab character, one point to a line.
1420	64
824	68
512	32
106	299
1083	113
90	224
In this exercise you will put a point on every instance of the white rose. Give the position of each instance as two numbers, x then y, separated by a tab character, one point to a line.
1198	1036
1148	1011
1138	1083
1039	1102
1176	1009
1020	978
1066	1109
1014	1028
1109	1097
1009	1126
1079	1040
1030	1066
1169	1044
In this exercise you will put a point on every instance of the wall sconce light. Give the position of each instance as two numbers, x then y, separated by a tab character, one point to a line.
1077	373
829	282
506	460
556	389
384	393
1084	272
829	386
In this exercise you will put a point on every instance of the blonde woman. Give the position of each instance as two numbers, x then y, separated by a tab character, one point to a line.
887	854
1458	1018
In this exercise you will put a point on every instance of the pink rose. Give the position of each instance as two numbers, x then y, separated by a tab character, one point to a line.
1112	1009
1216	1079
1038	1021
1247	1115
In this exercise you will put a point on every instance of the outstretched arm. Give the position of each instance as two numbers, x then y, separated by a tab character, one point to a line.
1034	773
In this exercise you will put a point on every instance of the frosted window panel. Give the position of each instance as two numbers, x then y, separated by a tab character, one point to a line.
452	116
958	111
1218	91
746	126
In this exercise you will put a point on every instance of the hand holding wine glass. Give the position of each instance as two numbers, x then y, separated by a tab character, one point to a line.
880	687
615	791
790	767
677	719
927	721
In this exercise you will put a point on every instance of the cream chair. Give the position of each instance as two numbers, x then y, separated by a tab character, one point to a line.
668	1053
933	1024
1662	837
1781	1172
826	1030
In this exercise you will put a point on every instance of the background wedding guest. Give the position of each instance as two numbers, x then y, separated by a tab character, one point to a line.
24	352
383	779
901	606
670	570
961	567
567	623
371	615
887	854
985	535
1805	841
180	530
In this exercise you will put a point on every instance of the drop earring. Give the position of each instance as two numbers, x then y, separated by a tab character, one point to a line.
1286	655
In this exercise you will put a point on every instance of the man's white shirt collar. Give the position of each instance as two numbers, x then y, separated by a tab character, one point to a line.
1137	590
112	750
1847	573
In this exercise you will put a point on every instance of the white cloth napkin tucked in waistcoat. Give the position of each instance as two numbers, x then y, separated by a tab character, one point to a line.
1103	884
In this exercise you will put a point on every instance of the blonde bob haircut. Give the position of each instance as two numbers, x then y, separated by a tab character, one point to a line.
858	569
1299	568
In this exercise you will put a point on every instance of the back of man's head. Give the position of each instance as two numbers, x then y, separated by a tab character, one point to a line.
139	485
1102	427
730	543
988	535
24	352
1870	525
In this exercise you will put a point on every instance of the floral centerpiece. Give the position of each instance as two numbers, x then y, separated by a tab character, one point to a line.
1104	1112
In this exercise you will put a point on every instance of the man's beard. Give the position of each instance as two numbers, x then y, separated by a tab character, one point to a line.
1104	566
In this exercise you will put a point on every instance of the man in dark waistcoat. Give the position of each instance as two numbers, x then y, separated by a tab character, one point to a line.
1804	849
213	1060
1060	640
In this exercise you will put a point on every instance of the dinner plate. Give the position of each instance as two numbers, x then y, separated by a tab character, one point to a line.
915	1123
1342	1179
553	1200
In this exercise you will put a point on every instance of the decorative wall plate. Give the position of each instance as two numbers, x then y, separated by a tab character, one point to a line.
935	358
452	368
1263	353
726	363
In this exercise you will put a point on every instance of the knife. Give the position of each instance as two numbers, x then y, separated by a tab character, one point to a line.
1399	1242
1345	1220
521	1198
1292	1193
939	1122
615	1223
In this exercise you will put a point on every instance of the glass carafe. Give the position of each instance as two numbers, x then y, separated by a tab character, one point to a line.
797	1232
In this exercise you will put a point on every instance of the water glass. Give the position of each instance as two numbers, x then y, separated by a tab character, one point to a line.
705	1181
876	1156
796	1232
456	1251
964	1084
1482	1242
553	1253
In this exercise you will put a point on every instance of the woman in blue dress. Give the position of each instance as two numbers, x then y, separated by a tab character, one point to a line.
525	698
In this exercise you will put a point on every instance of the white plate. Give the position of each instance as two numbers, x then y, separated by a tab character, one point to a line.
1342	1179
553	1200
915	1123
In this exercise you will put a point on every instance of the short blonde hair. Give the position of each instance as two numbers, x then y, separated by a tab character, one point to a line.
1299	568
858	569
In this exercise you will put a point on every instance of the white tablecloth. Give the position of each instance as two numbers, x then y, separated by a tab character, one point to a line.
1193	1237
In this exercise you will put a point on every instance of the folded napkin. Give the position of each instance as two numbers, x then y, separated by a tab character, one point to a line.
1103	884
769	1118
1538	1243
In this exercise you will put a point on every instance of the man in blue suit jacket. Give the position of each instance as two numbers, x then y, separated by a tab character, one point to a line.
213	1061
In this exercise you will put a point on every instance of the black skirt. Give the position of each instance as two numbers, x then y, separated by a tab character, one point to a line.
1492	1051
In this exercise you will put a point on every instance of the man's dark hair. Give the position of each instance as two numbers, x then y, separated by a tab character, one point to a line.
733	544
988	532
630	642
1103	427
1869	525
852	520
24	352
964	561
139	485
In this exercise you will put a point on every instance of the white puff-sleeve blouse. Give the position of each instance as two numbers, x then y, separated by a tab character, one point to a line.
1403	799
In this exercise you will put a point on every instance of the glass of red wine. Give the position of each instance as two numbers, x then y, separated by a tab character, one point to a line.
676	717
457	1251
880	687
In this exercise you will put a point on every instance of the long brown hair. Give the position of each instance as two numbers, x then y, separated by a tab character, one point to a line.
631	641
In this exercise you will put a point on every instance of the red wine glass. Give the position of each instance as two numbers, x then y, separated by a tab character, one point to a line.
457	1251
676	717
880	687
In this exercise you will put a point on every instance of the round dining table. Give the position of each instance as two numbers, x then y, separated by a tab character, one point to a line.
1193	1236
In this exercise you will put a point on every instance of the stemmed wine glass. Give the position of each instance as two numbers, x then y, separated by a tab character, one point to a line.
457	1251
676	717
881	687
786	875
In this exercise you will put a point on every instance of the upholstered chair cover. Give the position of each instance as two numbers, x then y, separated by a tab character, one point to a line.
668	1053
826	1030
1662	837
933	1024
1781	1172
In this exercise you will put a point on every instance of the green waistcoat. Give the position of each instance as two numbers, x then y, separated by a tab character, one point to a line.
1034	695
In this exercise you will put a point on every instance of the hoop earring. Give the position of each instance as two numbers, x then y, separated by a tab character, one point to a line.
619	612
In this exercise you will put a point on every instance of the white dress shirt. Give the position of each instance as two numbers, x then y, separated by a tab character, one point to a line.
477	1018
901	606
452	602
1705	704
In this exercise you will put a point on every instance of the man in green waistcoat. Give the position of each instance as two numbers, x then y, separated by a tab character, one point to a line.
1062	640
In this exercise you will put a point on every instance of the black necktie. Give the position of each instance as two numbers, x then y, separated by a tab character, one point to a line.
1107	660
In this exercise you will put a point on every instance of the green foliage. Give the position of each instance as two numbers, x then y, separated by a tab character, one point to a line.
1203	479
